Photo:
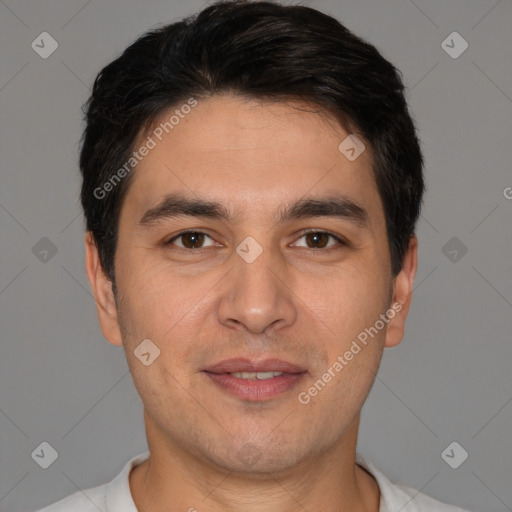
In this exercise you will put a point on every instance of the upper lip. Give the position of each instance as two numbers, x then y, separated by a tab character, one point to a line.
248	365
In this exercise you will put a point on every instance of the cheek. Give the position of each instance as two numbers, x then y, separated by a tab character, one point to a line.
346	301
159	304
348	305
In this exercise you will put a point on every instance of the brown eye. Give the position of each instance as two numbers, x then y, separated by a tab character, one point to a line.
192	240
189	240
319	240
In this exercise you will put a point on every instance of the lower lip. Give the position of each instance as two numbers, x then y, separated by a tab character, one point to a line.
253	389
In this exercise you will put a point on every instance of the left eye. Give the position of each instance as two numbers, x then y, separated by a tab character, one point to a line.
320	239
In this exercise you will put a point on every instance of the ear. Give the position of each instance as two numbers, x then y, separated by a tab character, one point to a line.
402	295
103	293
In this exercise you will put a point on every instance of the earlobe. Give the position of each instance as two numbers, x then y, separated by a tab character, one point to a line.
402	294
103	294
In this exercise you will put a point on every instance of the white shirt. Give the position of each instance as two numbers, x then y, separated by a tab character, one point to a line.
115	496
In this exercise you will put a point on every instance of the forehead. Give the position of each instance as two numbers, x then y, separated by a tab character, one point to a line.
248	154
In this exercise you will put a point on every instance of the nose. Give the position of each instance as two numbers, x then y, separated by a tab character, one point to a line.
257	296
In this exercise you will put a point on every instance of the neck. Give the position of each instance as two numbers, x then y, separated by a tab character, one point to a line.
331	482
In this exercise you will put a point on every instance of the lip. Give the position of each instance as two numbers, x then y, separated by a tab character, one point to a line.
255	390
248	365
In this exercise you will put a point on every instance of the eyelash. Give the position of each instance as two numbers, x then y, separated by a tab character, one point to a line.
303	233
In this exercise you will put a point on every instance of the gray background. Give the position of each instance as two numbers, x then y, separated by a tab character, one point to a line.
449	380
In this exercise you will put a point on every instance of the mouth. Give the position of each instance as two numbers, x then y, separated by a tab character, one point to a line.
256	375
255	381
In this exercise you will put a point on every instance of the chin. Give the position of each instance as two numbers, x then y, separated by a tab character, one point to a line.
257	459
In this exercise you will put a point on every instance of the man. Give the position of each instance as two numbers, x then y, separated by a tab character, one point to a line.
251	183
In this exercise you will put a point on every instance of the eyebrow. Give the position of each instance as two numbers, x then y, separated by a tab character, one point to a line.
340	206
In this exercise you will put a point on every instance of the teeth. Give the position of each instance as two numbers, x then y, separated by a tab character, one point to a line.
256	375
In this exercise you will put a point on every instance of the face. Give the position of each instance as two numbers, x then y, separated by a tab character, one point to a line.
284	264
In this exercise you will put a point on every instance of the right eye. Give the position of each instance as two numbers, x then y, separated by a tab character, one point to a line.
190	240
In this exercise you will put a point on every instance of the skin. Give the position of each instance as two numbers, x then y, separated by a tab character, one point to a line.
300	302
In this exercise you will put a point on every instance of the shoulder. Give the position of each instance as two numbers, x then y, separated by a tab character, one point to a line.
114	495
400	497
